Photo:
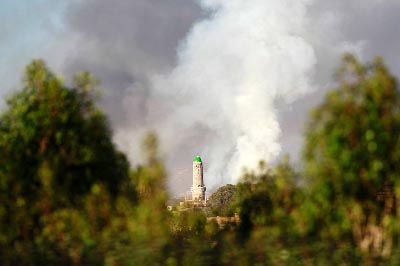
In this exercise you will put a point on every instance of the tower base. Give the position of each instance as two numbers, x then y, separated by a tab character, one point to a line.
198	193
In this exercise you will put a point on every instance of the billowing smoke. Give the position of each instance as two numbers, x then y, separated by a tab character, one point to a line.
232	68
224	94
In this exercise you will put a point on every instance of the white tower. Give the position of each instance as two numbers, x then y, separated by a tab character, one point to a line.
198	188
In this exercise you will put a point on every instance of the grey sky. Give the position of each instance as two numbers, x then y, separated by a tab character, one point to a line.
125	42
372	24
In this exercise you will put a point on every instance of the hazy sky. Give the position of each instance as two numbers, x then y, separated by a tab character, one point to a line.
127	44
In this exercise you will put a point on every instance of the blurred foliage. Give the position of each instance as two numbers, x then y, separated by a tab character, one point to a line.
69	197
268	205
56	156
352	158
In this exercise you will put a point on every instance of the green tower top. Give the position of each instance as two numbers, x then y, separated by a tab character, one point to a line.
197	159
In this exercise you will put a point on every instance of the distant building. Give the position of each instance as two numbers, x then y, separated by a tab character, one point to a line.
198	188
224	221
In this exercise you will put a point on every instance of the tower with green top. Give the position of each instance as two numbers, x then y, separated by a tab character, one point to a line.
198	188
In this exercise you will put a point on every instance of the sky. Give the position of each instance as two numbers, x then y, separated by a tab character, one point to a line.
201	73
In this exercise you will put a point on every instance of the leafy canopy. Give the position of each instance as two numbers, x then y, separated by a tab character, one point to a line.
352	158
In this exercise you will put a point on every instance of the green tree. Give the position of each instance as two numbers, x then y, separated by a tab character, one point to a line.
220	202
268	202
352	158
140	234
48	123
55	146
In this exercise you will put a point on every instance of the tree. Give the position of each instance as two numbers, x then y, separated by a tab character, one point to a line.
268	202
352	155
55	146
48	123
220	202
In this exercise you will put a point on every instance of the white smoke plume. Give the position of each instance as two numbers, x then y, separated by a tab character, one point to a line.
219	101
232	68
